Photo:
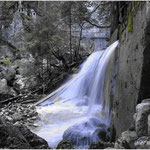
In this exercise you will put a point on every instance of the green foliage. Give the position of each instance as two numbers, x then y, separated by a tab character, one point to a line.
130	22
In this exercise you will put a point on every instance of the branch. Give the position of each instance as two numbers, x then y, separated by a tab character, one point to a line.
95	9
93	24
54	65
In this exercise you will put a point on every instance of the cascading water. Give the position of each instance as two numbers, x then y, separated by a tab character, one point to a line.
75	111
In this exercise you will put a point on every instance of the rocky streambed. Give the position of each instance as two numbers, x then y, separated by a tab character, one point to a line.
20	114
16	120
15	123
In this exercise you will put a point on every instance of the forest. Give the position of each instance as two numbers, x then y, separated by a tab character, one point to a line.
74	74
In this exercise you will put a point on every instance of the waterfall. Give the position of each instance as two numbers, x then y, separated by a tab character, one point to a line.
74	112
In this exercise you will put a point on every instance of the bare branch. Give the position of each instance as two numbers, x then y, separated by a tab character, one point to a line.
93	24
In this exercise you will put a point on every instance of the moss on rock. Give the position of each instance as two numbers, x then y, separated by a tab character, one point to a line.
130	22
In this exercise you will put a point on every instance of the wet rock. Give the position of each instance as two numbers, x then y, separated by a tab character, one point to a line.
64	144
121	144
101	145
35	141
126	140
112	133
141	117
19	137
143	143
102	133
85	133
130	137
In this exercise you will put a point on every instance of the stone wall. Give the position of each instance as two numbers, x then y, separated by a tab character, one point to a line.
132	78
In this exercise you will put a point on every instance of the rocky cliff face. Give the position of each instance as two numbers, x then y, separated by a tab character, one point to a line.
16	61
130	83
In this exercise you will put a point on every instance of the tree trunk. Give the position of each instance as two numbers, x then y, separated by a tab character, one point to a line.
70	19
77	53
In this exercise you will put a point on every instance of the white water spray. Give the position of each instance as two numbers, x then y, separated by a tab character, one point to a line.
74	111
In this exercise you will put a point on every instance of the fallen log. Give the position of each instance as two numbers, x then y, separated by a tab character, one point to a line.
19	97
10	99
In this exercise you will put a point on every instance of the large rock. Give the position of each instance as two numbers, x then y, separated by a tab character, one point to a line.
126	140
143	143
64	144
9	73
131	83
141	117
13	137
23	84
81	135
35	141
4	89
130	137
3	86
101	145
121	144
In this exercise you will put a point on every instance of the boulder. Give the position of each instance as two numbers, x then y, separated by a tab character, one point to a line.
64	144
35	141
19	137
8	72
141	117
12	138
102	133
143	143
126	140
121	143
3	86
130	137
84	133
21	83
26	66
101	145
5	90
